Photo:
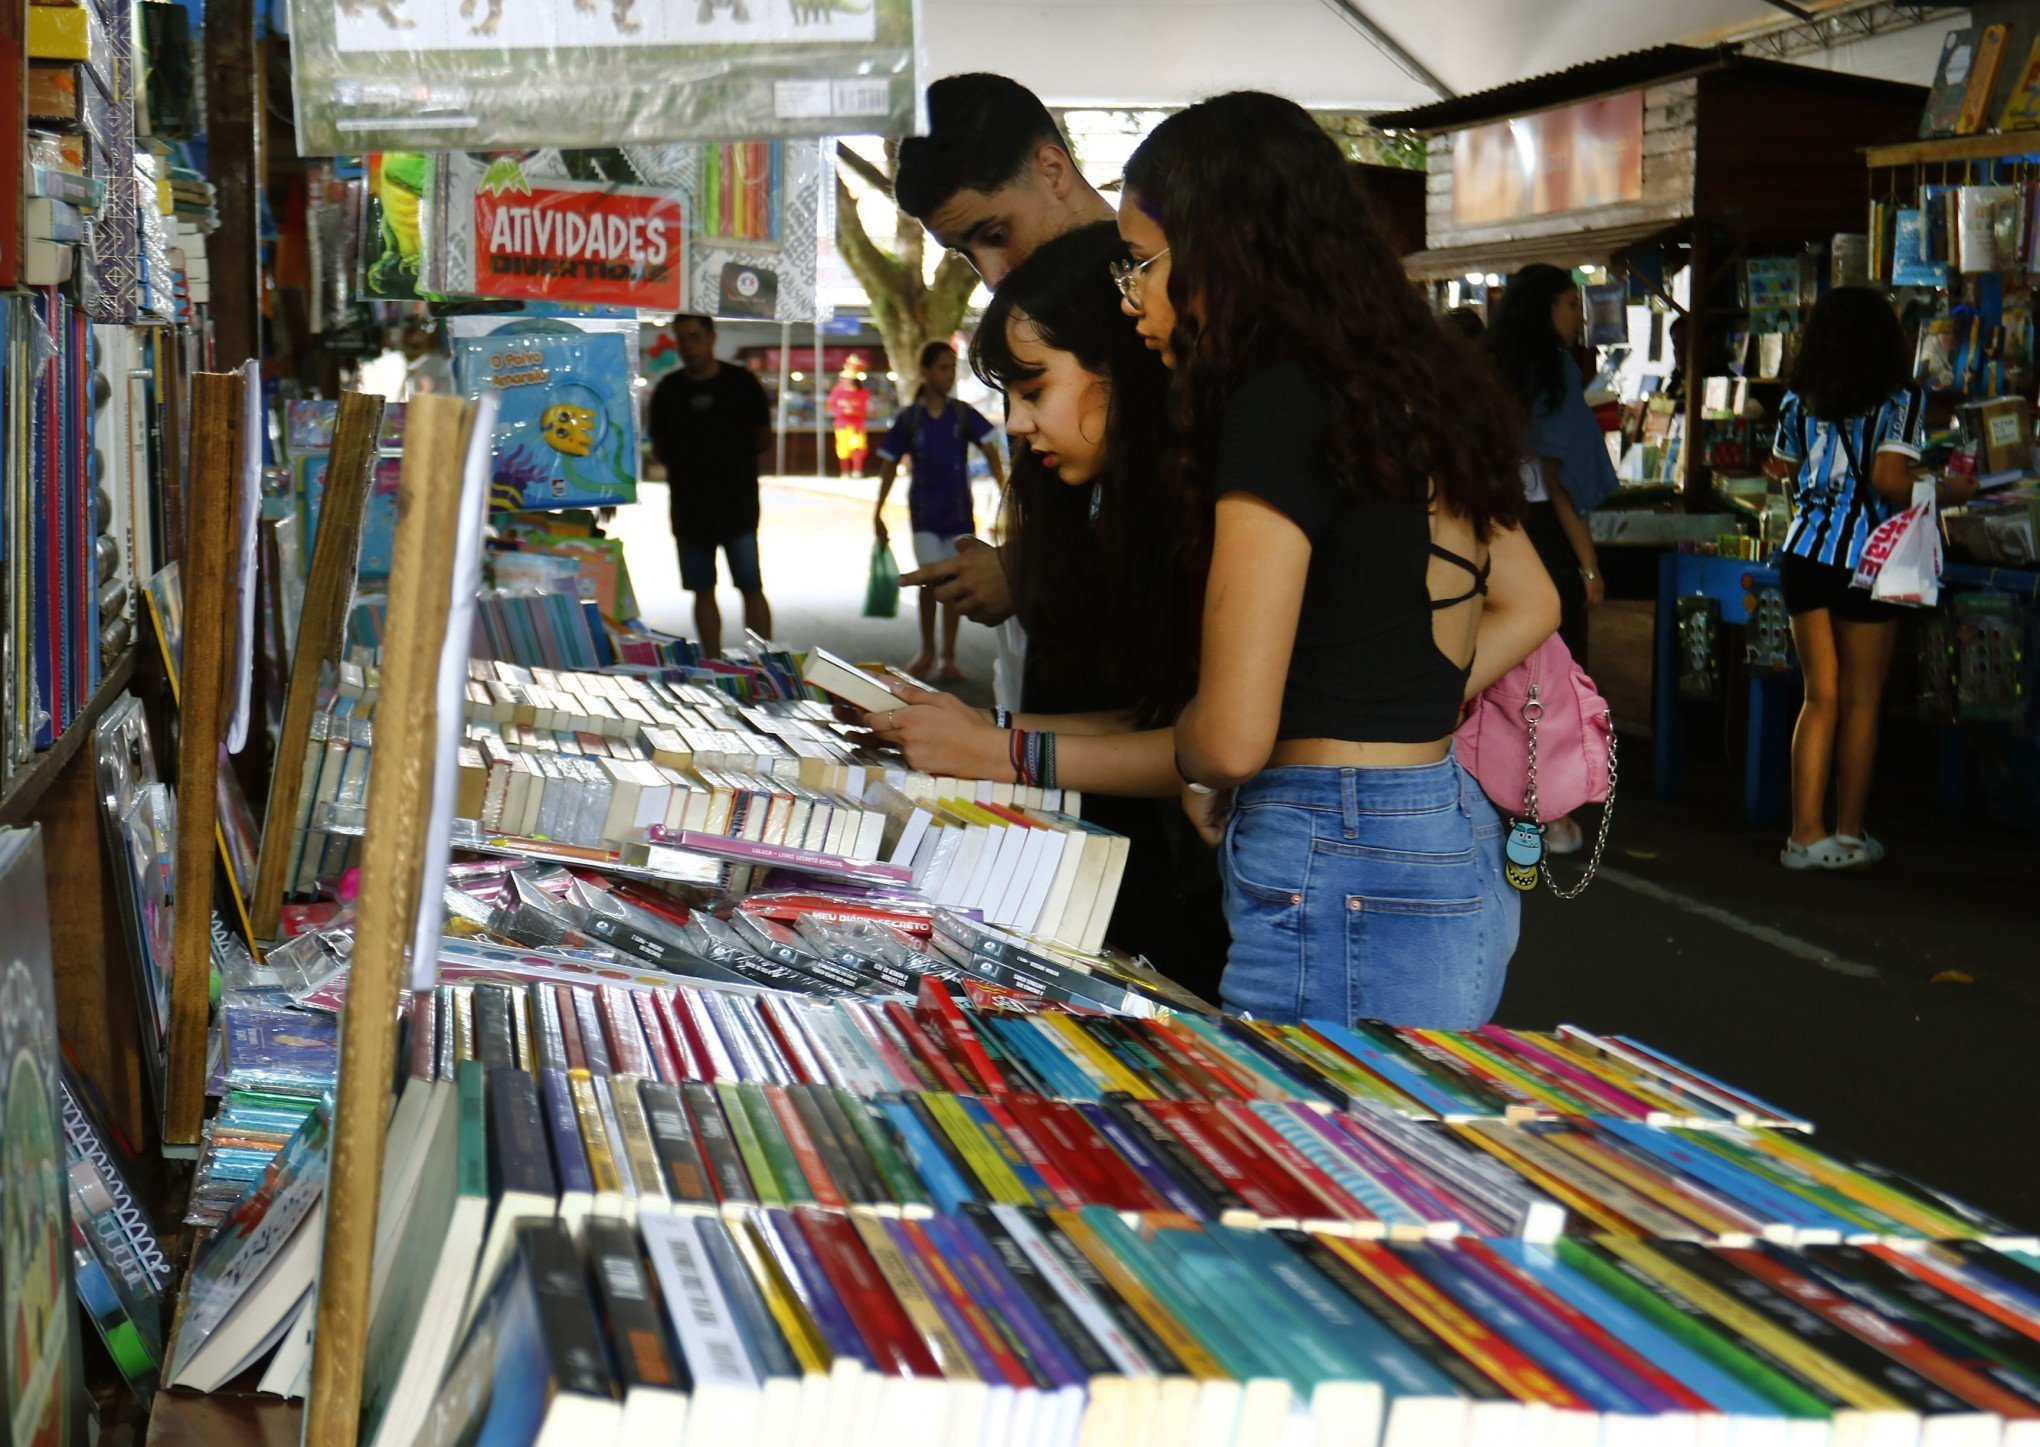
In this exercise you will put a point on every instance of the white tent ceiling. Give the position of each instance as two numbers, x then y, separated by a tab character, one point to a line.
1167	52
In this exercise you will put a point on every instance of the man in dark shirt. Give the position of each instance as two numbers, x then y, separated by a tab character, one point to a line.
711	429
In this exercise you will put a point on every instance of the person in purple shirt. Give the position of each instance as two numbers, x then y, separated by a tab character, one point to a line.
934	434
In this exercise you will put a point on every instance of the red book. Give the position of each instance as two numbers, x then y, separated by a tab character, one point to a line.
804	1151
649	900
894	1344
905	1076
1051	1136
713	1054
570	1027
1189	1129
1195	1079
946	1076
799	1050
1338	1204
664	1056
1298	1203
1030	1150
1191	1046
938	1011
776	1036
693	1056
1950	1281
629	1052
424	1035
1885	1335
1124	1190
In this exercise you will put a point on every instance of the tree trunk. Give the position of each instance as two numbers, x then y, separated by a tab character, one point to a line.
908	310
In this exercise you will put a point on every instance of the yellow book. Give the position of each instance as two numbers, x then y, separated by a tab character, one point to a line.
1983	78
637	1144
1585	1203
594	1136
1196	1358
2022	106
803	1338
1749	1322
984	1161
913	1296
65	32
1486	1063
1118	1075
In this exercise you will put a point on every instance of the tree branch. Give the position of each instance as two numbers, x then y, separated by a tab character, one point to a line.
879	274
871	175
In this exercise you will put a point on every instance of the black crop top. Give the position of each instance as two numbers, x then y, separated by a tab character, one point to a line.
1365	667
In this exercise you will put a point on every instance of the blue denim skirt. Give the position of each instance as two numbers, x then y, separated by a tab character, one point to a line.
1367	894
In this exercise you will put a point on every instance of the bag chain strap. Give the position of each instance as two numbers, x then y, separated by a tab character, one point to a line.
1533	710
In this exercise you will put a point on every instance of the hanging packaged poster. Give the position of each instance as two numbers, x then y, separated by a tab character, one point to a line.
40	1377
507	231
496	74
566	432
750	215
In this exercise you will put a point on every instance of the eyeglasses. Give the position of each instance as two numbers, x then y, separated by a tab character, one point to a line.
1128	275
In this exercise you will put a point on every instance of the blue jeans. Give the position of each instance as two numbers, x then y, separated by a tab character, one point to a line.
1359	894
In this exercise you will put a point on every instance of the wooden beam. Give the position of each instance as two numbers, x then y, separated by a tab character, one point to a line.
217	400
400	781
233	127
322	632
1953	148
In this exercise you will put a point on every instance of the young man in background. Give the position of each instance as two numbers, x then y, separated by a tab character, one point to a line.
711	429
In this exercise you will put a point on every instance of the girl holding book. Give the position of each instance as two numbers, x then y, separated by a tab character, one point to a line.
1849	438
1356	475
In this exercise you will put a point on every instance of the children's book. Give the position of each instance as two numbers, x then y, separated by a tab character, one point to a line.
2022	106
1951	82
566	428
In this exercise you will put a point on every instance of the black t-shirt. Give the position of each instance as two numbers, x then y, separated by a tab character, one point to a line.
705	434
1365	667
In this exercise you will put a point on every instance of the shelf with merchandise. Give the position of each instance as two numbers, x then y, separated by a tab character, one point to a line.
27	785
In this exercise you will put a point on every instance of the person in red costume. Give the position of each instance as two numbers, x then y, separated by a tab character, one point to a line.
850	405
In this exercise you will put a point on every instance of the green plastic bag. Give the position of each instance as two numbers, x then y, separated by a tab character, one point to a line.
882	591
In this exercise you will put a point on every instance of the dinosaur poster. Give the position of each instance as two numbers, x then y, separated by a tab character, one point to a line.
388	75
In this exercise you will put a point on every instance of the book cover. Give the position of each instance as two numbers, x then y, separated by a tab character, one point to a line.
2022	106
42	1375
1951	82
566	428
1983	78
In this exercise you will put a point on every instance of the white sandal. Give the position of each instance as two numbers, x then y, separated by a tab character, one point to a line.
1828	853
1863	849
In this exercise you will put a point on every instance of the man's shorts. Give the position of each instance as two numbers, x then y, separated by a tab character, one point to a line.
697	563
933	548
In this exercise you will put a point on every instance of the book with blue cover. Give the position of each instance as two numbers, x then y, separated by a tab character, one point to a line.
566	428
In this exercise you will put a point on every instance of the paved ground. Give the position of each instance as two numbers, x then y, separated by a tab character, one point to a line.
1899	1008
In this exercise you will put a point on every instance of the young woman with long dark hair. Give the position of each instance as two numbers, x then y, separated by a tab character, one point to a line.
1849	438
1565	467
1365	573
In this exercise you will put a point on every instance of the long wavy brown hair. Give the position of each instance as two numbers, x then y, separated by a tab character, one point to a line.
1273	254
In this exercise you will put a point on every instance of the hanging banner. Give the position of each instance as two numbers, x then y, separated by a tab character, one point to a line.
590	244
389	75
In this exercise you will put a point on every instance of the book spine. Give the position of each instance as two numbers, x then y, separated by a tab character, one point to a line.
520	1159
565	1312
637	1336
684	1168
563	1126
743	1131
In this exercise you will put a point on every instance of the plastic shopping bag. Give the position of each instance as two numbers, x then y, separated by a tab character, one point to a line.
1902	560
882	591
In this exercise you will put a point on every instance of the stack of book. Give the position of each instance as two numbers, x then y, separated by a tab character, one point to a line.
618	769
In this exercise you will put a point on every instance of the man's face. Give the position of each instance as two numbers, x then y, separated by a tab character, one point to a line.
695	342
997	230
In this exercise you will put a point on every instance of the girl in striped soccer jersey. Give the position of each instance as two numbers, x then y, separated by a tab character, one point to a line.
1849	440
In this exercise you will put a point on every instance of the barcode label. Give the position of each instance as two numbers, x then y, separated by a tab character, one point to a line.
863	98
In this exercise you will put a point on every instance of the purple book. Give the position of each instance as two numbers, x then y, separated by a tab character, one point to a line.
968	1255
1137	1155
804	1274
776	856
981	1360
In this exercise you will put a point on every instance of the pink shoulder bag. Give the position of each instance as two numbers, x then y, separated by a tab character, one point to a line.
1539	741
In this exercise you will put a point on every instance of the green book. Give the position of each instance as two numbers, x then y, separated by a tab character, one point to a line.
793	1181
764	1179
902	1182
1687	1328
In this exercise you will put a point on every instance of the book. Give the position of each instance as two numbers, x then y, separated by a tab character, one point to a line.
40	1329
1983	78
1943	114
2022	104
845	680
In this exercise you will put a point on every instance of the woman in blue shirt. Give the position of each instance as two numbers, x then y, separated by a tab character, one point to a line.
1849	439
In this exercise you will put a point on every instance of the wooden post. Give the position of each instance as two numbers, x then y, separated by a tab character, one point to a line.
233	120
1692	471
322	630
215	483
400	779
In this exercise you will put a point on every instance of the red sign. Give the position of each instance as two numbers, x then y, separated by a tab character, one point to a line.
596	245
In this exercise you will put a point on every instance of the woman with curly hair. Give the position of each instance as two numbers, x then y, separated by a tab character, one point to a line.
1355	468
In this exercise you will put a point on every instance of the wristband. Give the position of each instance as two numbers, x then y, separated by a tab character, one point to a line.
1002	717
